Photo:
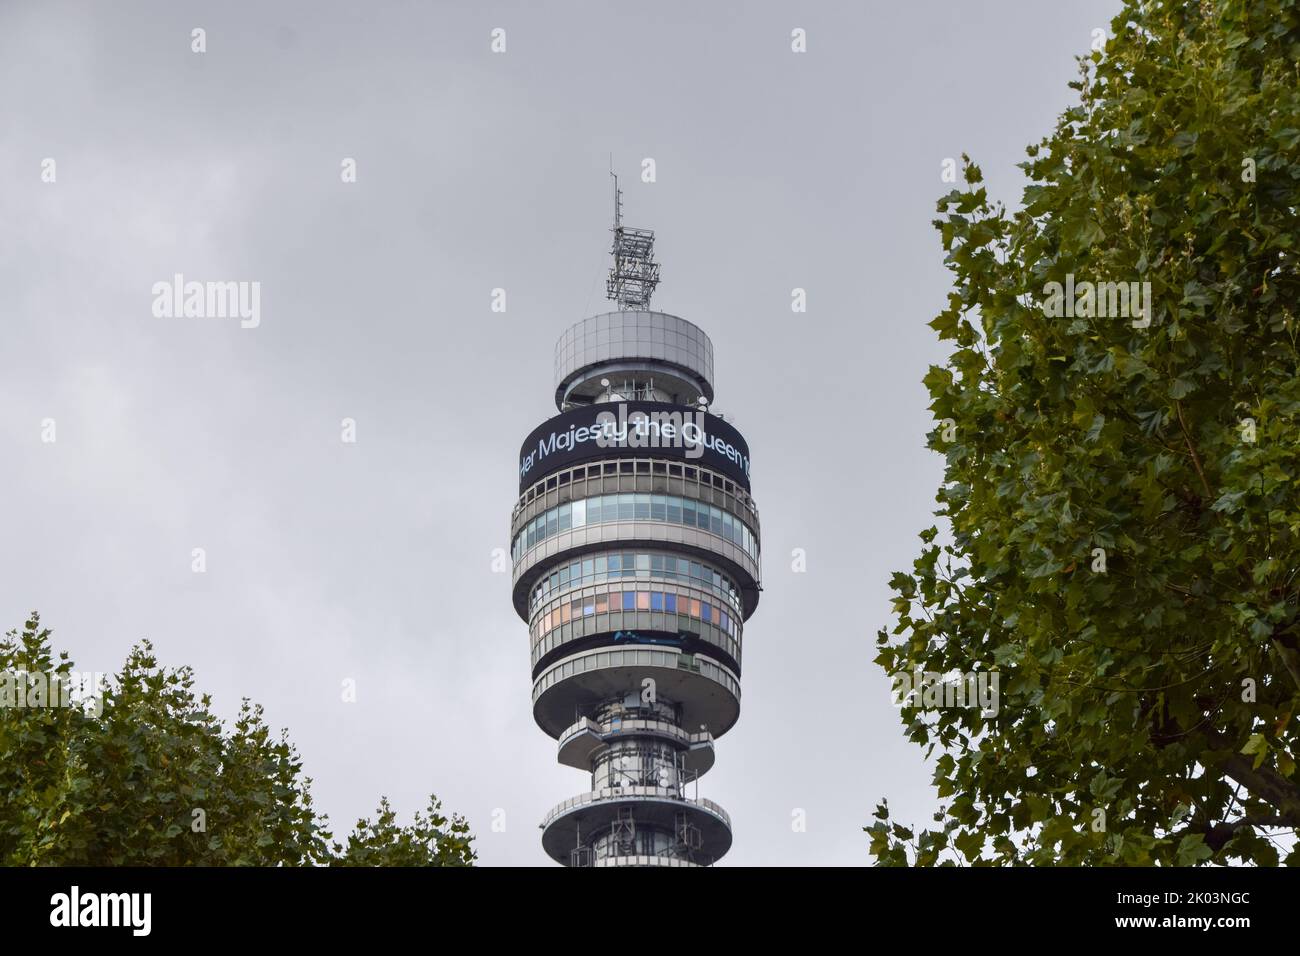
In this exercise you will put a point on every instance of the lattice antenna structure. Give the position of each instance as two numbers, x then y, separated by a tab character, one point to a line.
635	274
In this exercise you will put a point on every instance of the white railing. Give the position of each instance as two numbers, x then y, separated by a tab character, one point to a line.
641	860
623	793
635	726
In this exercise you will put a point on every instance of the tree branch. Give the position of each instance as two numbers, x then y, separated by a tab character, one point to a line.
1285	645
1196	461
1218	834
1263	783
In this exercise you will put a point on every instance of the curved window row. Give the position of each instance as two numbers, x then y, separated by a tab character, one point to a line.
546	644
606	508
633	564
629	472
664	603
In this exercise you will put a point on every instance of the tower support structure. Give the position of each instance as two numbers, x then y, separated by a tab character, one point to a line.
635	544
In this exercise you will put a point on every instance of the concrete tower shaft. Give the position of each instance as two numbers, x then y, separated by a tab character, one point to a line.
635	545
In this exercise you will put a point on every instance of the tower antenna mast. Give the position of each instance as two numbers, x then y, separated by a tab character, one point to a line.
635	274
618	196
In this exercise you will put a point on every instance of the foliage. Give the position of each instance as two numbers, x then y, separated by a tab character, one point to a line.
149	776
1123	500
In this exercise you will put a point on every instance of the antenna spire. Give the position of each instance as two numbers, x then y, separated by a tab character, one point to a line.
618	196
635	274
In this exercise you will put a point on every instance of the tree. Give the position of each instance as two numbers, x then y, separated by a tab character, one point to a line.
1122	490
141	772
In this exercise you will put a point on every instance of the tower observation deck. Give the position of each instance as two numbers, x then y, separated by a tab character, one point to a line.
635	548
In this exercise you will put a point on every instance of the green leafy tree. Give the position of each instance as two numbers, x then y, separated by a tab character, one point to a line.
145	774
433	840
1122	490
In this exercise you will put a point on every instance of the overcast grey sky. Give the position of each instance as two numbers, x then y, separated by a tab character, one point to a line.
372	561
